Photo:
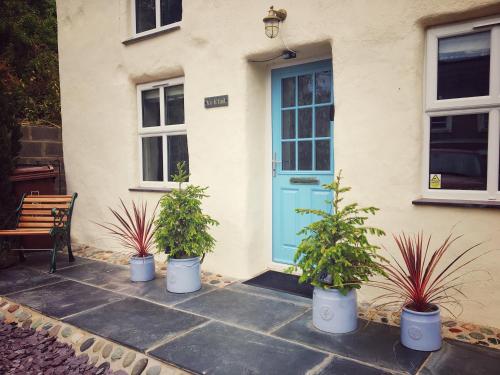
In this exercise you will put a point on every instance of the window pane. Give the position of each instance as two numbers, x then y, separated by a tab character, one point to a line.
305	123
459	152
464	66
288	124
288	156
305	89
323	121
152	159
323	87
288	92
177	152
305	155
174	105
171	11
145	17
323	155
151	108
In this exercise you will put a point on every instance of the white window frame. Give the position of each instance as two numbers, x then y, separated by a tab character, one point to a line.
158	27
459	106
155	131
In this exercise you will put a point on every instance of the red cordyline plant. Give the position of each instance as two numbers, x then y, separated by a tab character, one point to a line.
423	280
134	230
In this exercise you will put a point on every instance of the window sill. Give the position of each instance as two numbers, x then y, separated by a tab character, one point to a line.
151	189
456	203
152	33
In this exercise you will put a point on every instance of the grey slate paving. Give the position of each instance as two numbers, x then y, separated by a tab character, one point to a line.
41	261
342	366
105	275
465	359
19	278
372	342
136	323
246	310
221	349
156	291
239	287
65	298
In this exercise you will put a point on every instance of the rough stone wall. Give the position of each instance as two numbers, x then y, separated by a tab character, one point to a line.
43	145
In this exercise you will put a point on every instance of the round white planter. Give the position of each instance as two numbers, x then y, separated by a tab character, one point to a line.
421	330
183	275
142	268
333	312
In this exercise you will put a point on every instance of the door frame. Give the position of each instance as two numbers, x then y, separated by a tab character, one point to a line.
268	147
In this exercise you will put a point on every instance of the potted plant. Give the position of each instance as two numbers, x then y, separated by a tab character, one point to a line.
182	230
336	257
135	231
420	285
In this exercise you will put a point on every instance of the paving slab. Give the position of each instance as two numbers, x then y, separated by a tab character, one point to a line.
239	287
217	348
105	275
65	298
136	323
247	310
20	278
342	366
41	261
465	359
373	343
156	291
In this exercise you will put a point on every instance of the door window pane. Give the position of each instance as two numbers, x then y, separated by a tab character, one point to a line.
288	92
323	155
152	159
177	151
305	89
323	121
459	151
305	123
305	155
170	11
150	108
174	105
145	15
288	156
288	124
464	66
323	87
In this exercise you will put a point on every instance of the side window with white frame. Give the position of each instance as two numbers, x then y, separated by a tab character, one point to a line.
162	131
462	111
150	15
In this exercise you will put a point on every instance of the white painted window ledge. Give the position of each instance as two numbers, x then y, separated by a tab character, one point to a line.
152	33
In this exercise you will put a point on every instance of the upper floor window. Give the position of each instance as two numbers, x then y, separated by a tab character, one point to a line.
154	14
162	131
462	111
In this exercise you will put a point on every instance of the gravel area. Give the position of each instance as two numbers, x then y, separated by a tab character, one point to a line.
26	351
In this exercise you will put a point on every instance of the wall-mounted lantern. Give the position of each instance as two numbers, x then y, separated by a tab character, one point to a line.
272	21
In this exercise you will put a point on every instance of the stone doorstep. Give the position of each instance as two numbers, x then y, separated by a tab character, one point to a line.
100	350
452	329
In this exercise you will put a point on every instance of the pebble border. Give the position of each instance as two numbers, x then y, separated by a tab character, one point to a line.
101	352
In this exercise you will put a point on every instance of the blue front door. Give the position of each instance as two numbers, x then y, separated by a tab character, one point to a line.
302	122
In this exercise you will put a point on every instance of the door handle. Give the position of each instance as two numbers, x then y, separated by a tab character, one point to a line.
275	162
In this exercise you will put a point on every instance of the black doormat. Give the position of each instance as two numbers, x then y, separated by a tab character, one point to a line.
282	282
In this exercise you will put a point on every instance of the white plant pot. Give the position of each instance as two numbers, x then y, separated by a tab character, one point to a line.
142	268
421	330
183	275
333	312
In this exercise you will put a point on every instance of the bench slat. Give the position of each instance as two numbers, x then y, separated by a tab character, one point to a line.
48	196
37	212
49	219
24	232
35	206
47	200
35	225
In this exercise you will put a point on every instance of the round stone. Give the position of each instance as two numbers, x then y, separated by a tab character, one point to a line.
106	351
384	320
450	323
120	372
12	308
455	330
98	346
26	324
93	360
22	315
486	331
153	370
47	326
493	341
463	337
117	354
213	282
103	367
484	343
37	324
54	330
139	366
2	316
129	358
76	338
87	344
476	335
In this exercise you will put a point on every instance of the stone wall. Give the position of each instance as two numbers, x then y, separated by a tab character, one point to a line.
43	145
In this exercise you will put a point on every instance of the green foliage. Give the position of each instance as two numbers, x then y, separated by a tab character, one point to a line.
335	251
182	229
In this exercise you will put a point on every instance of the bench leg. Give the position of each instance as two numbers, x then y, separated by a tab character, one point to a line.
22	258
53	259
70	252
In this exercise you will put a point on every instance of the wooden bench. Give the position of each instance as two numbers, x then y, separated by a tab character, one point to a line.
44	215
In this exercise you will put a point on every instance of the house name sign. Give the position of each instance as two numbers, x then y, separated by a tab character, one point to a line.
217	101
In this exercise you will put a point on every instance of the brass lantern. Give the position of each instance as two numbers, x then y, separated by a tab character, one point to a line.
272	21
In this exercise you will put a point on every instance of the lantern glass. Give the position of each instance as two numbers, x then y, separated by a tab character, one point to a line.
272	28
